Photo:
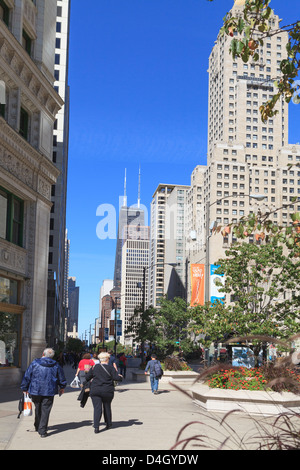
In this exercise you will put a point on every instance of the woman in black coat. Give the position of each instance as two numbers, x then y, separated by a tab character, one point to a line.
103	376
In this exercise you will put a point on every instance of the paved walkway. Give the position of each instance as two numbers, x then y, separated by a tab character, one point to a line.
141	421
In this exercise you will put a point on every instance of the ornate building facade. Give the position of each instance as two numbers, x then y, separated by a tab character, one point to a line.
29	105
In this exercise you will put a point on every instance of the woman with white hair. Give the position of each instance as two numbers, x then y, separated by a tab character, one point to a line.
103	376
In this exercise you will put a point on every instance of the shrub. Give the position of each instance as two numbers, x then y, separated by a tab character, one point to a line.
174	363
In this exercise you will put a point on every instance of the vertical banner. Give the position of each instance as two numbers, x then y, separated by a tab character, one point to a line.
214	289
197	284
119	327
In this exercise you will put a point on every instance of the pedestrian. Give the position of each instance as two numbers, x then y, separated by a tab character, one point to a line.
102	376
155	370
211	354
84	366
112	359
95	358
43	379
123	364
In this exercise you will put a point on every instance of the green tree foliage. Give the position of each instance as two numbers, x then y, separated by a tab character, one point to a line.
165	328
74	345
262	279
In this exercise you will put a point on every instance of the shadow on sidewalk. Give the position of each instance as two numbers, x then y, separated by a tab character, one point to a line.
59	428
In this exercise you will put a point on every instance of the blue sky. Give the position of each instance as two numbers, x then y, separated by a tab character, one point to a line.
138	80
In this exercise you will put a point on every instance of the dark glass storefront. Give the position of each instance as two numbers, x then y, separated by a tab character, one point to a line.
10	323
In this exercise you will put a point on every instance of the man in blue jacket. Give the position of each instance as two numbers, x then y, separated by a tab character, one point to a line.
155	370
43	379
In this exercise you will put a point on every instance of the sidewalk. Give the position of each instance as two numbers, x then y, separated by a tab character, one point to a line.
141	421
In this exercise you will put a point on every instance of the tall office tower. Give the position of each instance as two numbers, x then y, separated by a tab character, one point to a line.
175	233
128	216
164	218
73	304
106	287
106	309
135	260
246	157
66	270
29	105
56	307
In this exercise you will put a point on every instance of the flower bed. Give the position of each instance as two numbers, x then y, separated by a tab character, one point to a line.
242	378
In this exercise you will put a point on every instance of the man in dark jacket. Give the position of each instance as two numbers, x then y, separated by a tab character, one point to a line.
42	380
155	370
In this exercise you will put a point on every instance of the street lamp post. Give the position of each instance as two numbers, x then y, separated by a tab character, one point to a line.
258	197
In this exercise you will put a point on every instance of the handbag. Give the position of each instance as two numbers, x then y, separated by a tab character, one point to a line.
115	383
84	394
75	382
27	405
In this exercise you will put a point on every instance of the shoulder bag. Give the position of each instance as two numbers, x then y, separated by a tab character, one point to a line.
115	383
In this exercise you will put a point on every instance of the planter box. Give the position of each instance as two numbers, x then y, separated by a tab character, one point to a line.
169	376
252	402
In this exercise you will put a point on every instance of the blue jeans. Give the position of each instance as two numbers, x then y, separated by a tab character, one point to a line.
154	383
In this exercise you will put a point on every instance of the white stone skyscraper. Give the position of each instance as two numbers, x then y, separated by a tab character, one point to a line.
246	157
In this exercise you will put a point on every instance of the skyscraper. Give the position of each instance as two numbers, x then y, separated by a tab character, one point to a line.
166	239
28	108
135	260
246	157
73	307
58	278
133	216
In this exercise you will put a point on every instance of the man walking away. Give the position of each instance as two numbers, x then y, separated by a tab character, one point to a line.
155	370
123	364
42	380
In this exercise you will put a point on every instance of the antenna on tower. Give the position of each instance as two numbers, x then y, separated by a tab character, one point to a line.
125	196
139	190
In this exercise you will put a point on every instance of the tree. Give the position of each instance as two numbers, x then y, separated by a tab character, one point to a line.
253	27
263	281
74	345
164	328
171	322
142	326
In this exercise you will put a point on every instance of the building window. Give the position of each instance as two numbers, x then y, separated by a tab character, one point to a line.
4	12
11	218
10	338
8	291
27	42
24	123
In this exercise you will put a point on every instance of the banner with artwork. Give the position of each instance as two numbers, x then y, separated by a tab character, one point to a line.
197	284
214	288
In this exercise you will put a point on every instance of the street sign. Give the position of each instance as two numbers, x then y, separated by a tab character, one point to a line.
106	334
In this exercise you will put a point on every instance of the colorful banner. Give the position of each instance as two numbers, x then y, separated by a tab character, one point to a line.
214	289
197	284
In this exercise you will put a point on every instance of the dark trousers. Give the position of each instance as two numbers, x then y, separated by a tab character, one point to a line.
104	399
43	406
123	370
